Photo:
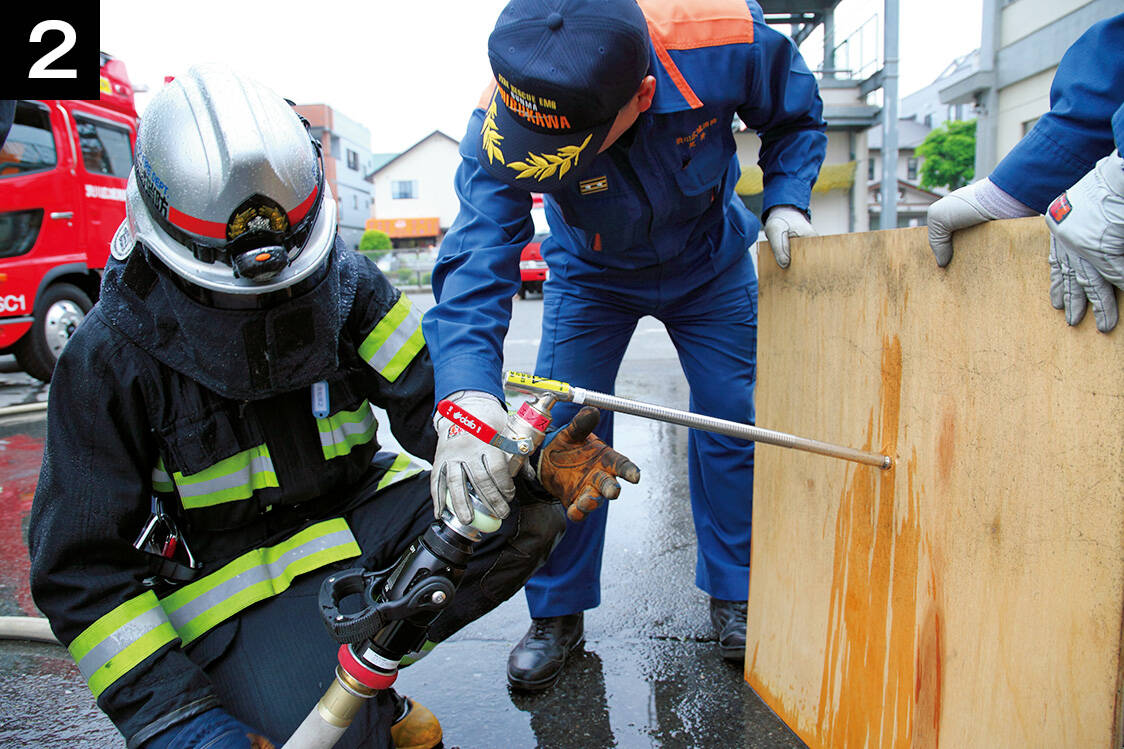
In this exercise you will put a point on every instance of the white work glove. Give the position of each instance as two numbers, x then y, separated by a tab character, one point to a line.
785	221
969	205
463	457
1087	244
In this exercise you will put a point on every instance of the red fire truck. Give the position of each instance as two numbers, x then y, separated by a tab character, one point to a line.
532	268
63	171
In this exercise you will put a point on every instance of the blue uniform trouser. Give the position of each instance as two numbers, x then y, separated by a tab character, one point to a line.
712	320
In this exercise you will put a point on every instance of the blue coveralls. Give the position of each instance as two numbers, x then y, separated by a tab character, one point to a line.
1077	132
663	234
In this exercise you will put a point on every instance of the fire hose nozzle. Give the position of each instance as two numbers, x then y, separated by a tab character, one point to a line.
522	382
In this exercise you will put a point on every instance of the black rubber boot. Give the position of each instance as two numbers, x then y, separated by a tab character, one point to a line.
728	618
537	661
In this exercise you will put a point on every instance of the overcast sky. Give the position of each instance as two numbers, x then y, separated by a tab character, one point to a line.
405	68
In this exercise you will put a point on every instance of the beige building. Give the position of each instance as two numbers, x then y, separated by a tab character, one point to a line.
839	196
1021	45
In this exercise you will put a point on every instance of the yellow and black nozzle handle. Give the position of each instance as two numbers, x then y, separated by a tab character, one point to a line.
530	384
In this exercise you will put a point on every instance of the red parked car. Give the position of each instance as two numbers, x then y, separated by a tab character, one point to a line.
63	171
532	268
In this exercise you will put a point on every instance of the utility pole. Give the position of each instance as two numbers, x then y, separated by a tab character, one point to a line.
890	118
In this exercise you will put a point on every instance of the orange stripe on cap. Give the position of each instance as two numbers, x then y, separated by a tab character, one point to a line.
299	212
213	229
683	24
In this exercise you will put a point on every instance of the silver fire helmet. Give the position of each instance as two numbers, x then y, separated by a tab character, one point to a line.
227	187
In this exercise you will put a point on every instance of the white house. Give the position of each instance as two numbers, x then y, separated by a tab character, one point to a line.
414	200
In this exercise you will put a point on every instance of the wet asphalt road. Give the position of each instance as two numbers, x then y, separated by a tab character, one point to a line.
649	674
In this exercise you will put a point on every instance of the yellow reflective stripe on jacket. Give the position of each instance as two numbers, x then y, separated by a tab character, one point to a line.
345	429
118	641
401	468
230	480
395	341
256	576
161	481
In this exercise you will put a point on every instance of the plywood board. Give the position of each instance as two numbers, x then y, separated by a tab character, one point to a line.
971	596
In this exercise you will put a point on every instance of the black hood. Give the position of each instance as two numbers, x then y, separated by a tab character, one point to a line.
239	354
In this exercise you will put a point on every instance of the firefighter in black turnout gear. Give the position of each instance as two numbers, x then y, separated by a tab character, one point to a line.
211	451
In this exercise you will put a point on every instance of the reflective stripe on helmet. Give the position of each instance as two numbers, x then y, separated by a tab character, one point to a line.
256	576
301	210
118	641
343	430
395	341
230	480
210	229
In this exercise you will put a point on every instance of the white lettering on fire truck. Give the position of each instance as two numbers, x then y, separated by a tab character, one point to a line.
13	303
105	193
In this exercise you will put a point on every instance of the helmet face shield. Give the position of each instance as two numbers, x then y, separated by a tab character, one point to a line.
228	185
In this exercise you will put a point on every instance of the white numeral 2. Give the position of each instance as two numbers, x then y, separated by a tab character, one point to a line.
40	69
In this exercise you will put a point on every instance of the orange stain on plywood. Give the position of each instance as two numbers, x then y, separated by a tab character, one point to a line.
868	689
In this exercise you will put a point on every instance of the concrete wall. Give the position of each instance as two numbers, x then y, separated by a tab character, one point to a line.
1023	17
432	164
1020	105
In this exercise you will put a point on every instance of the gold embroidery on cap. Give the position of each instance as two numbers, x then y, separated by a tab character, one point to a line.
490	135
542	166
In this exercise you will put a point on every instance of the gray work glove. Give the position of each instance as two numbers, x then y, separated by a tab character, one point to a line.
462	457
967	206
1087	244
786	221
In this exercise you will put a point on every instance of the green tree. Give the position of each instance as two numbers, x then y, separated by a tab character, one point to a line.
374	240
950	155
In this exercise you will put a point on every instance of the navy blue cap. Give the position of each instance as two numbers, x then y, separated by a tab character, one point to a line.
564	69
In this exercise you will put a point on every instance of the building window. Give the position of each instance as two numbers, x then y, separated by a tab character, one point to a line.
911	168
404	189
352	160
870	170
1029	125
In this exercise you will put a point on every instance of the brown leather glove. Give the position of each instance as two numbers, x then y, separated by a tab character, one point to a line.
580	469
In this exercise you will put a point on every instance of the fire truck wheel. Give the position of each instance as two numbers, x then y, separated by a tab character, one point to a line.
58	313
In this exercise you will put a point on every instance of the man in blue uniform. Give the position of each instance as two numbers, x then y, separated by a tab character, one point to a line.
212	441
1071	142
621	113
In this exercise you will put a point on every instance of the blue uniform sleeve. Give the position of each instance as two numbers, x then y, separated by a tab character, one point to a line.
475	277
784	107
1078	130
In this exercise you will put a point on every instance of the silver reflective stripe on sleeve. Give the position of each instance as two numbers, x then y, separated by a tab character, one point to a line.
395	340
121	639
